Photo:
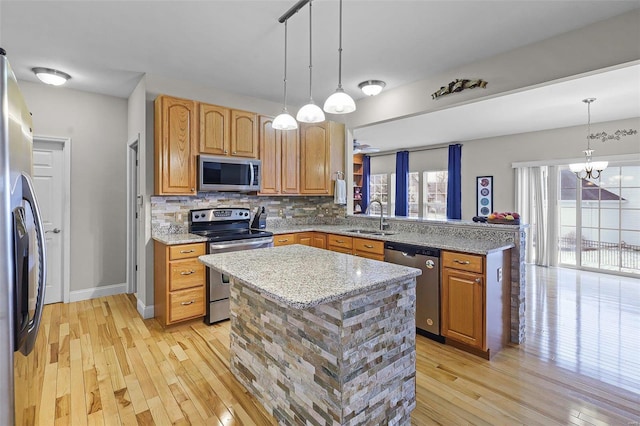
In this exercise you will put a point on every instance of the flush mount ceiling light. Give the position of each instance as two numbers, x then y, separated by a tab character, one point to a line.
285	121
372	87
310	113
588	169
51	76
340	102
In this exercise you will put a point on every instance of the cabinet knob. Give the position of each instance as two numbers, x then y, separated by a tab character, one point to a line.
187	272
478	280
193	190
234	153
226	152
190	302
368	246
187	251
339	241
461	262
283	241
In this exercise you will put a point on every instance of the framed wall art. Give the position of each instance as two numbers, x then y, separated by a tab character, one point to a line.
484	195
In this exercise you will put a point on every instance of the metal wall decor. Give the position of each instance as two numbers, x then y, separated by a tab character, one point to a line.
484	195
458	85
604	136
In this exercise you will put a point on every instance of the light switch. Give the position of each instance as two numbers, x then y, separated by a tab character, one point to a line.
499	274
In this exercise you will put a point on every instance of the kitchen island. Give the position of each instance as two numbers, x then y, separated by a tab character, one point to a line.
321	336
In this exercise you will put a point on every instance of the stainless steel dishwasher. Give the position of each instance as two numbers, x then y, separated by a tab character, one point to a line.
427	284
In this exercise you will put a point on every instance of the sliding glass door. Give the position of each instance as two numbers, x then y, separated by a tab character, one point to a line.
600	220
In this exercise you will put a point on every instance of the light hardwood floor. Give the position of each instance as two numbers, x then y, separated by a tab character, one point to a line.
99	363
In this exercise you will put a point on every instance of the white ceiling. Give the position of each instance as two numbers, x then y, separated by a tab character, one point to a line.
237	45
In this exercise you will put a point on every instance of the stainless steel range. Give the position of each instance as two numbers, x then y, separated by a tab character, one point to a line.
227	230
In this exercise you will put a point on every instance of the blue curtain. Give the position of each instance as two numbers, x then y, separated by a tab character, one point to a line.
402	183
454	185
366	180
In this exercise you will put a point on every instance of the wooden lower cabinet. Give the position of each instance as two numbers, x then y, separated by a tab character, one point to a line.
179	282
371	249
475	301
284	239
313	239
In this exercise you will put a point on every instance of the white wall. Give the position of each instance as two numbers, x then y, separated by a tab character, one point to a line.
97	126
493	157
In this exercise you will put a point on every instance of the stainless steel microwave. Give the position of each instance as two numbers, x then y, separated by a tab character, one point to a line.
228	174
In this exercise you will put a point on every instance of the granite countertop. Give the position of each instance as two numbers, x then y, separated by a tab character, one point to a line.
474	246
301	276
172	239
435	241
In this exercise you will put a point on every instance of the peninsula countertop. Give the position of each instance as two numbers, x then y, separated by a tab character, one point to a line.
453	242
302	277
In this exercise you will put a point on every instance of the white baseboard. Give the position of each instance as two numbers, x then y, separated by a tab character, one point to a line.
145	312
92	293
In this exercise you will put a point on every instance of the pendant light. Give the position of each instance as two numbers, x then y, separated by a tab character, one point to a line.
310	113
588	169
340	102
285	121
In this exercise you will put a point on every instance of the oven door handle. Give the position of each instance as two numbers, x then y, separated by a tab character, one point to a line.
247	244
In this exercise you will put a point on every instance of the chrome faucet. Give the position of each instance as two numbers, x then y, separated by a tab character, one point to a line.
383	224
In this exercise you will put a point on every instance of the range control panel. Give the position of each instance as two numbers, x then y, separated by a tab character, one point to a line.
219	214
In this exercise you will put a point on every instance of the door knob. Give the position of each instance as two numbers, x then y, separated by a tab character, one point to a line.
54	230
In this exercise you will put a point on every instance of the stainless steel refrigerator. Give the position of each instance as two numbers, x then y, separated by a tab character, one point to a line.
22	258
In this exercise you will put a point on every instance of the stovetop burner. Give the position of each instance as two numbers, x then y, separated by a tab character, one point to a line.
224	224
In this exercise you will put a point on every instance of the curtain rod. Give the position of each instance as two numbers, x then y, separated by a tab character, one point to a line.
294	9
421	148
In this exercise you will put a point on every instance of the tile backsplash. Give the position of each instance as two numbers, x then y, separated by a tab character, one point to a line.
170	214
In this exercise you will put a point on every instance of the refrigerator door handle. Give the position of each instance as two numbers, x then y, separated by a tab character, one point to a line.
28	194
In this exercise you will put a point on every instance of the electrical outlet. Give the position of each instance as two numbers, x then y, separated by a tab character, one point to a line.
179	217
499	275
326	211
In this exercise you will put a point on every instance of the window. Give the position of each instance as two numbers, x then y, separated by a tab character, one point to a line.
414	194
378	189
435	195
598	220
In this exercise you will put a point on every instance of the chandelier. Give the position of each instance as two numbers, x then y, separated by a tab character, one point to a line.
589	169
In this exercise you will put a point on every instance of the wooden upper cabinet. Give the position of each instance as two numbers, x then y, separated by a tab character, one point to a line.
290	162
279	153
321	155
244	134
175	146
270	156
215	129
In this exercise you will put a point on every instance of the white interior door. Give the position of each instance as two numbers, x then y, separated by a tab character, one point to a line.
48	179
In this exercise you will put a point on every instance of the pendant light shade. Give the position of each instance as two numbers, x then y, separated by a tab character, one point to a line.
310	113
285	121
340	102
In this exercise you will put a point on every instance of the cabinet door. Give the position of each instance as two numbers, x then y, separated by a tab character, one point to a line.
244	134
463	307
315	154
214	129
290	183
319	240
270	156
175	146
304	238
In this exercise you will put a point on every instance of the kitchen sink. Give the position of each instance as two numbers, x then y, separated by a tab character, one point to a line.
370	232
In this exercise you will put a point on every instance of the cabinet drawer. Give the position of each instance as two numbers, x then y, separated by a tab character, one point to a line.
185	304
369	246
368	255
284	239
464	262
185	274
339	241
184	251
340	249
